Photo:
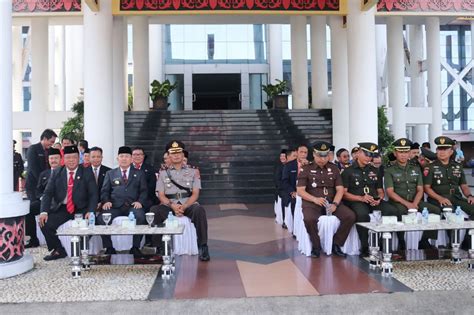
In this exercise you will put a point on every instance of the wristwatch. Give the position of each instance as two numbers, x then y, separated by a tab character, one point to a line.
336	203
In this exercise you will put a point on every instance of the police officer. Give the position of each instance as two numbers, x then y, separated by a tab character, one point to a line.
404	186
444	178
363	191
178	189
320	186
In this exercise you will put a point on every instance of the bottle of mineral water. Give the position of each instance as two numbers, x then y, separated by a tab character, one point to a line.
169	220
91	219
131	219
424	215
458	213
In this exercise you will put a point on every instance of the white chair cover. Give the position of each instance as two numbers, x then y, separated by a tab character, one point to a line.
278	212
289	219
123	242
186	244
298	224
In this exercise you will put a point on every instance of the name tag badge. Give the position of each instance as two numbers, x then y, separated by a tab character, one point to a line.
294	171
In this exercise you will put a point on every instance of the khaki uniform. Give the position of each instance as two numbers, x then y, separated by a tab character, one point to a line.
446	180
322	182
186	177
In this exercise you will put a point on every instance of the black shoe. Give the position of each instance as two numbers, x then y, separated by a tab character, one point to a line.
336	250
56	254
32	244
204	253
160	250
425	244
110	251
315	253
364	252
466	245
284	226
135	251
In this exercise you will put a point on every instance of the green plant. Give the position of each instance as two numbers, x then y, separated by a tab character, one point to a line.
161	89
130	98
385	137
74	127
273	90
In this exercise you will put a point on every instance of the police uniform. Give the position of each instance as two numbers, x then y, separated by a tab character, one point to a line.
321	182
178	185
361	181
405	180
446	179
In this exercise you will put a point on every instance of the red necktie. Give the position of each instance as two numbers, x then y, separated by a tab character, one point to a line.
70	185
124	176
137	166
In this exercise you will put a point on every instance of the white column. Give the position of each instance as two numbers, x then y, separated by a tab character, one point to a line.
381	56
17	77
60	69
275	58
340	84
74	63
11	203
417	79
434	74
119	74
319	68
39	75
362	74
98	96
299	62
156	52
141	64
396	75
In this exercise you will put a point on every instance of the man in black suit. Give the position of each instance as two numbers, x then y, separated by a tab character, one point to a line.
37	157
138	163
98	169
290	174
18	168
71	189
54	159
124	191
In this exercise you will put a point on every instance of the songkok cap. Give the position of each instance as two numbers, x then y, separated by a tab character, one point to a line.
444	142
125	150
53	151
332	148
175	146
414	145
71	149
87	150
368	147
321	148
402	145
428	154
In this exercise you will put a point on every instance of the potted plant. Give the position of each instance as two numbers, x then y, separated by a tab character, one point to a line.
276	98
160	92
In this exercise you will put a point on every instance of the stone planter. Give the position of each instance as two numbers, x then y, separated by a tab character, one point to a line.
280	102
160	103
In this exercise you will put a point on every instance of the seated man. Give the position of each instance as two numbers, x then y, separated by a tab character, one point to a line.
444	180
124	190
54	160
404	186
363	192
178	190
71	189
318	184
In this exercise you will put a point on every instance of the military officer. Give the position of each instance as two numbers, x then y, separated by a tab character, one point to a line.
404	186
426	157
444	180
178	189
320	186
363	191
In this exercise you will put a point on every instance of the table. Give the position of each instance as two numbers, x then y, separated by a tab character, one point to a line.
385	263
80	254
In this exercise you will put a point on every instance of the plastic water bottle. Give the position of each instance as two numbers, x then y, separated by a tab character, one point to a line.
131	219
424	215
169	220
91	219
459	217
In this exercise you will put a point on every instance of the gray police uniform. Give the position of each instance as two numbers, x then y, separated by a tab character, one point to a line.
189	179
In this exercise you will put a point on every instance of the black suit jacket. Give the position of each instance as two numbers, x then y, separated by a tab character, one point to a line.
289	177
150	177
36	157
114	189
43	179
84	193
100	179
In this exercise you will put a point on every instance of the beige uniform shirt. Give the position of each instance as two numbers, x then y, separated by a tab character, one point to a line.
187	177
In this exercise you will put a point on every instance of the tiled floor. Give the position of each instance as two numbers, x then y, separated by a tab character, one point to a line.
251	256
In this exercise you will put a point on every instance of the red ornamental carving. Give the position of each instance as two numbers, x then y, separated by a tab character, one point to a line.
246	5
11	239
46	6
426	5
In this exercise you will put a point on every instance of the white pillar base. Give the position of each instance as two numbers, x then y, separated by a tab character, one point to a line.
16	267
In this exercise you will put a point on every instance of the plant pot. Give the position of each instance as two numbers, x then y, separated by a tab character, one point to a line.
269	104
280	102
160	103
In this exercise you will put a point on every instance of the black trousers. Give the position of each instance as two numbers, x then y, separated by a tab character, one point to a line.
55	219
196	213
124	211
30	220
